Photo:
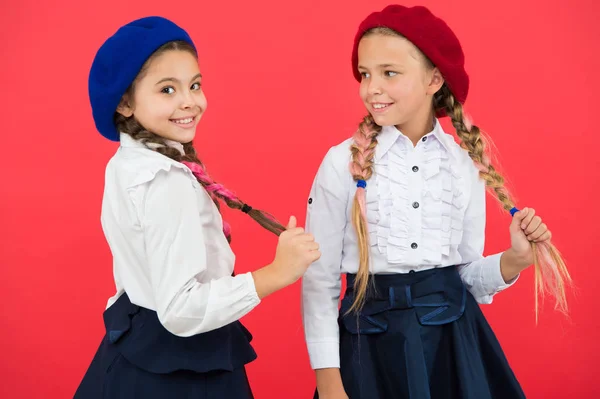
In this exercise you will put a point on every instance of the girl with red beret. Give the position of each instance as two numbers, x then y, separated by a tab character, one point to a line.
400	209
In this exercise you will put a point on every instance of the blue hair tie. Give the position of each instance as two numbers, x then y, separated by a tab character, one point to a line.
361	183
513	211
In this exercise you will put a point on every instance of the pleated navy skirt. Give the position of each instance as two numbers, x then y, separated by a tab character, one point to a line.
421	335
139	358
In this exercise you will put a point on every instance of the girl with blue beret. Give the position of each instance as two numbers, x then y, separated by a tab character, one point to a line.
172	327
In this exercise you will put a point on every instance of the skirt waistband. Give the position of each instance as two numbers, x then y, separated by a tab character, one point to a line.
138	335
437	295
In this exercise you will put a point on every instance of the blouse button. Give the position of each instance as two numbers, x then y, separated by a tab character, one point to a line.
415	205
415	169
310	201
414	245
424	139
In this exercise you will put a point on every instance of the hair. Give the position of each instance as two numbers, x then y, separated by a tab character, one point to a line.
551	273
217	192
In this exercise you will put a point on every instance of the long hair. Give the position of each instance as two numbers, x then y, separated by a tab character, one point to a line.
217	192
551	274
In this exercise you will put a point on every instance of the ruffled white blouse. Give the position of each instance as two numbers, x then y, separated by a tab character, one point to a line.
425	209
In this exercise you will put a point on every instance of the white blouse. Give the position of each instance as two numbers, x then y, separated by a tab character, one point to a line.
166	236
425	209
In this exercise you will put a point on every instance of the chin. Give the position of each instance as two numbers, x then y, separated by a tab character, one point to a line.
382	120
184	137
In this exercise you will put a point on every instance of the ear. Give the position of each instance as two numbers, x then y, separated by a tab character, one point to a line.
124	107
436	82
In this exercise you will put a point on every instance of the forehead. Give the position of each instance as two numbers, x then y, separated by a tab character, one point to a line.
173	62
378	49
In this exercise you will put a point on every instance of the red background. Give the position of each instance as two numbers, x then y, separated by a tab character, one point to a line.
281	92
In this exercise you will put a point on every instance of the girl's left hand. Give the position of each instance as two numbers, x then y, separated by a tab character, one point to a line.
526	228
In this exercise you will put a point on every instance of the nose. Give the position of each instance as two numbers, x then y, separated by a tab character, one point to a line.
187	100
374	86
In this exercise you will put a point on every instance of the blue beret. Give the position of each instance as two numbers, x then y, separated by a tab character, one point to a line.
118	62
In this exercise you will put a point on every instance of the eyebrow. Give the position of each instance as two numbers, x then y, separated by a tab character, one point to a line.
382	66
177	80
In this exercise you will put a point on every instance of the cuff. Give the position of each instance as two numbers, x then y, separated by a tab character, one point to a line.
324	354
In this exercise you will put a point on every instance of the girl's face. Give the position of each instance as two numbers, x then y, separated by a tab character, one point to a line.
167	98
397	86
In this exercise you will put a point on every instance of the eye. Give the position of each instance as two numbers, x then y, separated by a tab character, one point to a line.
168	90
196	86
365	75
390	74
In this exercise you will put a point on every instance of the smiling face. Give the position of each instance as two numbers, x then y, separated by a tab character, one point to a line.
398	83
167	97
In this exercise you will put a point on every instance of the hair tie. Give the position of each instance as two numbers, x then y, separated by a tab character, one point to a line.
361	183
513	211
246	208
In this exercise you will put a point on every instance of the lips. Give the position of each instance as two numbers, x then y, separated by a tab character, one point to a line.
380	107
183	121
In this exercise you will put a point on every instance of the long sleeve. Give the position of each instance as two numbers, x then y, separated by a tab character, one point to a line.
326	220
176	248
480	274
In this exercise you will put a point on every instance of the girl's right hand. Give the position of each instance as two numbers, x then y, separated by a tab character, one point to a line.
295	252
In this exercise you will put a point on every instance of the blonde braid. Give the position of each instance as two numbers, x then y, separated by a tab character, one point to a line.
551	273
361	167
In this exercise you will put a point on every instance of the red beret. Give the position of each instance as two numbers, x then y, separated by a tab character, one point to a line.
430	34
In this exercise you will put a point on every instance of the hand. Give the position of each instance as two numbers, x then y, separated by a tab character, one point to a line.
526	228
335	395
296	250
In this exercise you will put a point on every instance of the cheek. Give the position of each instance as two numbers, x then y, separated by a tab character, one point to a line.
363	91
150	104
201	101
161	108
406	91
399	89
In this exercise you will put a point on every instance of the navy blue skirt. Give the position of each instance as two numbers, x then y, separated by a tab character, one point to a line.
421	336
139	358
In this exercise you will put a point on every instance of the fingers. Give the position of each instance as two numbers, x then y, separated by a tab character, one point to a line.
517	220
535	223
540	234
307	238
519	216
530	213
311	246
533	227
292	232
544	237
298	235
292	223
314	255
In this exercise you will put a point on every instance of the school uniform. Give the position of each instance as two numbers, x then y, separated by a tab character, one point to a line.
421	333
172	327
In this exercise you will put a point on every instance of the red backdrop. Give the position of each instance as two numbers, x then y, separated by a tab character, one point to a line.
281	92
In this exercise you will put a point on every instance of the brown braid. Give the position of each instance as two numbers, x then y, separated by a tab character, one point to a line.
132	127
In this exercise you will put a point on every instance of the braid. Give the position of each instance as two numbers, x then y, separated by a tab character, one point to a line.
474	143
551	273
361	167
216	191
219	191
